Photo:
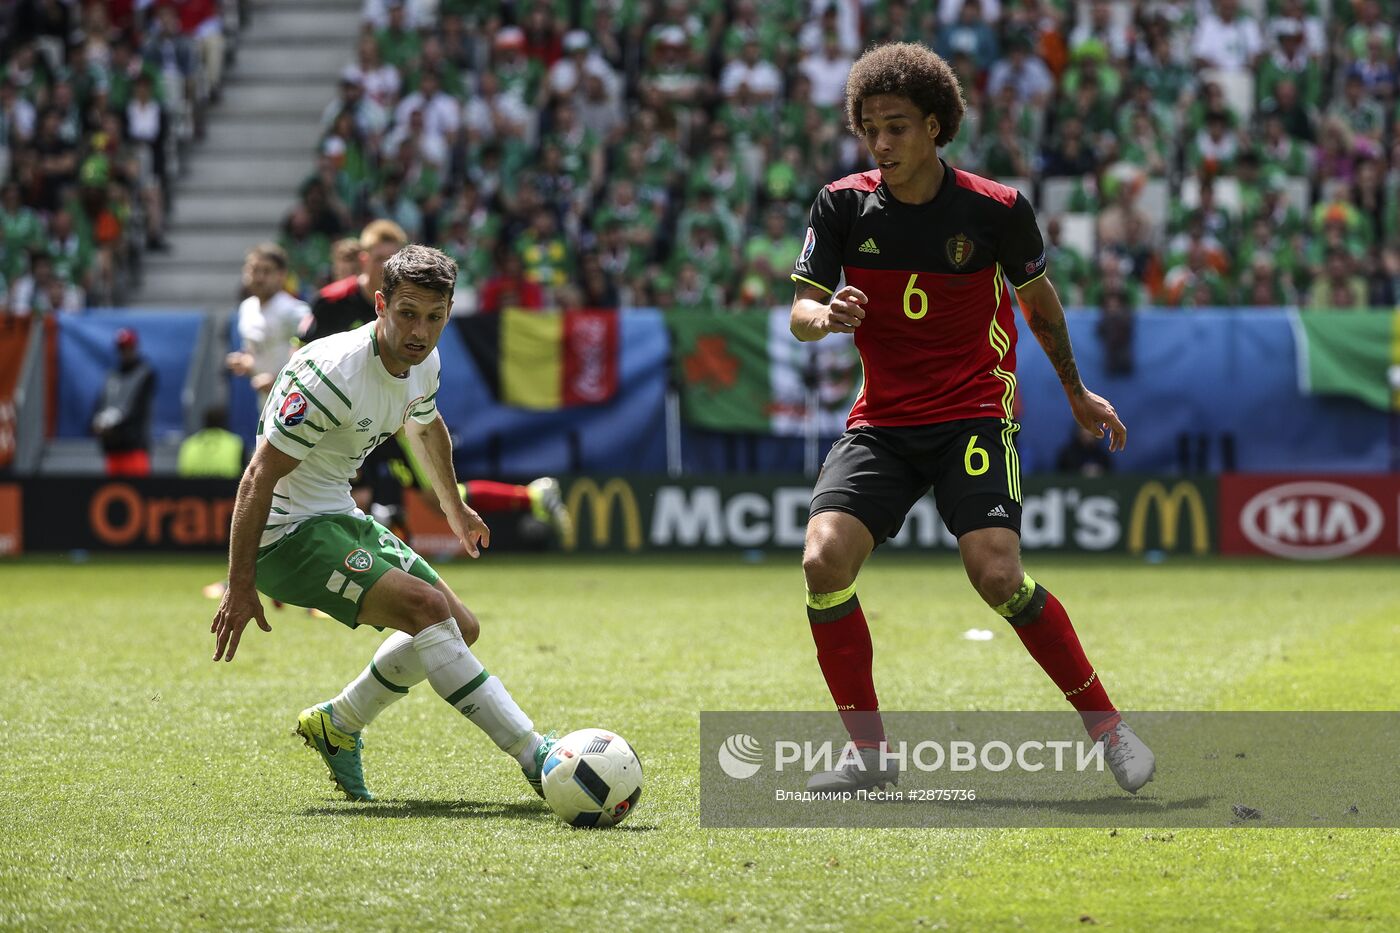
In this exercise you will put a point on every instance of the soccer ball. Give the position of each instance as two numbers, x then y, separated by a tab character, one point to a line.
592	778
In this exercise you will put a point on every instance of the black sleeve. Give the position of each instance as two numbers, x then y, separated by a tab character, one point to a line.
312	326
819	263
1021	251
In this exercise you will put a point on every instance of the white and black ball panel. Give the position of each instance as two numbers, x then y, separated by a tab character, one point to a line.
592	778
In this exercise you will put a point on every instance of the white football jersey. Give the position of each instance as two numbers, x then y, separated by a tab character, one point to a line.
332	404
268	328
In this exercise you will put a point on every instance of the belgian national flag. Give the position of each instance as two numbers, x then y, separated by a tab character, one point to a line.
548	359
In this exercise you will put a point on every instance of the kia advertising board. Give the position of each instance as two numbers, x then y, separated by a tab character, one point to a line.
1309	517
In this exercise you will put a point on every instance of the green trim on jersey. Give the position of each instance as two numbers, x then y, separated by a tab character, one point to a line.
314	400
327	380
283	431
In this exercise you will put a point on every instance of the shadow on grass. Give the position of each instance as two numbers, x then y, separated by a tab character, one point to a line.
387	808
392	809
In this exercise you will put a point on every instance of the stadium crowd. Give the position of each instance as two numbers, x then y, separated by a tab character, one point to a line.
606	153
99	100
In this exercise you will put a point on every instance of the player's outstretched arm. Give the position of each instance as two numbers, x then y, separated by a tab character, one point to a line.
250	510
1040	304
813	317
432	445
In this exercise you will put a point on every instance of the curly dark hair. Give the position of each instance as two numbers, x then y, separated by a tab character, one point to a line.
908	70
422	266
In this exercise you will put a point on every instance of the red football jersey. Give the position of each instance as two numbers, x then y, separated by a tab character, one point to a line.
938	342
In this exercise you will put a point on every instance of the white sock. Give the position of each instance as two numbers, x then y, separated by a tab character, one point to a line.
385	680
461	680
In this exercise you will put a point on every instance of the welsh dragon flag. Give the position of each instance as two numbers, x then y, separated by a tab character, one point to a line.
744	371
1355	353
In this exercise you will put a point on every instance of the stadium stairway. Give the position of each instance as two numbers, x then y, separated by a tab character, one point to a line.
259	146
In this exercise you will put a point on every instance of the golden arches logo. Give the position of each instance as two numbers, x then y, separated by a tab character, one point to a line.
1169	505
600	500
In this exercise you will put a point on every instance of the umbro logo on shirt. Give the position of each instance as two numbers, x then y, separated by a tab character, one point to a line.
998	512
365	423
869	247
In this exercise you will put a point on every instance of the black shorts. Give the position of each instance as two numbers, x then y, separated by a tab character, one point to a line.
877	474
387	473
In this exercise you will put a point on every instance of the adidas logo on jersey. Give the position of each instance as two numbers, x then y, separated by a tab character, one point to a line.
998	512
869	247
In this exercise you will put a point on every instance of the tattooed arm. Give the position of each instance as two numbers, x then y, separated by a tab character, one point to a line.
1040	305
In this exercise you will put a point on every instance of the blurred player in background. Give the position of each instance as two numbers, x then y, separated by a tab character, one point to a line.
268	322
345	258
398	470
298	536
268	319
348	303
926	251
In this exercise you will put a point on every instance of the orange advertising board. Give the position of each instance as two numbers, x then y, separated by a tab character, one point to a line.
11	520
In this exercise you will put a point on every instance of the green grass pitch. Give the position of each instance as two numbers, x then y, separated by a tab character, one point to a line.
144	787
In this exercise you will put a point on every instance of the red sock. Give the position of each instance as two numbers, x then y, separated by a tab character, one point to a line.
845	655
1051	641
487	496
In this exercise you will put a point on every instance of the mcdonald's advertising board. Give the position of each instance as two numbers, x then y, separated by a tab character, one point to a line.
1069	514
1309	517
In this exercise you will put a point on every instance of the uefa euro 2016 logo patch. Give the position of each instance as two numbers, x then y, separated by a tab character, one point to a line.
808	245
359	560
293	411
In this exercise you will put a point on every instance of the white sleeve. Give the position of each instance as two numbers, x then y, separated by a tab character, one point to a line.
308	399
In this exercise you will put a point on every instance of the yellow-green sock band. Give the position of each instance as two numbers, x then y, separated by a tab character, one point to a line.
828	600
1019	600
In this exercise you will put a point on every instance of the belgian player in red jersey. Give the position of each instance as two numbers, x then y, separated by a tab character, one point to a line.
927	252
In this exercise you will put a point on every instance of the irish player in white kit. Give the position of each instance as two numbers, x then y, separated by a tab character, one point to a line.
298	537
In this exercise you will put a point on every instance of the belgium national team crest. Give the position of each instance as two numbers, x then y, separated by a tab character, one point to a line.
959	249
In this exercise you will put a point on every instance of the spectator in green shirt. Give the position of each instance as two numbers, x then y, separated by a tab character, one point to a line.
776	243
1289	58
21	230
708	252
634	217
1363	115
691	289
1339	288
71	251
399	45
706	209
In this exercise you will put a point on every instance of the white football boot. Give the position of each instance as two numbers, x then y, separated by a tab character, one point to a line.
852	776
1128	756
